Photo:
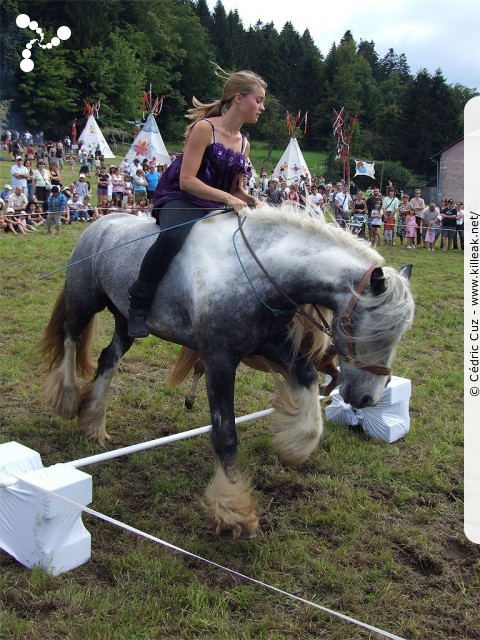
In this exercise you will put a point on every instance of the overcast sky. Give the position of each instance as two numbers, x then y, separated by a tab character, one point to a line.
431	33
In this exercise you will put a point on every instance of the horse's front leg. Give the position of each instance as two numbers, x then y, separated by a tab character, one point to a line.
297	422
229	495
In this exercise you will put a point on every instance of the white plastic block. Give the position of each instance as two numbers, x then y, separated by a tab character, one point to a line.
41	530
389	420
17	459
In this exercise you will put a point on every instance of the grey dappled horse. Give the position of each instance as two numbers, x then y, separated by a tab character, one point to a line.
217	300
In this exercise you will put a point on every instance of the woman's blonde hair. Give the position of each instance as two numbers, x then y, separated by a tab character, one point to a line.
239	82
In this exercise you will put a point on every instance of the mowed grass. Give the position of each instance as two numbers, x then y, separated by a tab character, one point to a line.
370	529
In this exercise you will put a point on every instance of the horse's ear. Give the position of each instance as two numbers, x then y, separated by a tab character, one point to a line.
377	281
406	271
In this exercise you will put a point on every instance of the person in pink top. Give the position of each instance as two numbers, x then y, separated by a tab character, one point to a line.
411	229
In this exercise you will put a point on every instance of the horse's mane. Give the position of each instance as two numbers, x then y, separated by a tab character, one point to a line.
292	215
301	326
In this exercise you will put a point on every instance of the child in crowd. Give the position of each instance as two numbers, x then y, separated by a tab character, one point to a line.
127	189
23	225
116	203
143	208
376	217
90	211
40	212
431	234
9	222
256	191
33	215
84	167
388	225
411	229
104	204
129	204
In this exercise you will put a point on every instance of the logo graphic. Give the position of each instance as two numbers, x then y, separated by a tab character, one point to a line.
24	22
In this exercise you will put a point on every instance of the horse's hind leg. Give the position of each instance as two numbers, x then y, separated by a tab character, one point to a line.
191	396
92	412
229	495
61	389
297	421
66	345
331	370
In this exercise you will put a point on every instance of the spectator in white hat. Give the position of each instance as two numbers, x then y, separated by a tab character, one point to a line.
82	187
19	174
6	192
6	221
41	181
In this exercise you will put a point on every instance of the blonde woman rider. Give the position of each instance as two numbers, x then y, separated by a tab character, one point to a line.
206	177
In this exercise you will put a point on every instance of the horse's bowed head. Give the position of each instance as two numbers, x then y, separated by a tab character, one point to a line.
365	360
231	297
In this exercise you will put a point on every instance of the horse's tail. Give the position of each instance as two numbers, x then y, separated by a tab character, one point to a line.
52	343
308	337
185	362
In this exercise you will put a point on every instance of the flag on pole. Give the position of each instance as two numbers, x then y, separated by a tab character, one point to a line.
74	131
363	168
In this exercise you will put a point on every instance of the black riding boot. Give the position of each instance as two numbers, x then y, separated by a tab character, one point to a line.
141	296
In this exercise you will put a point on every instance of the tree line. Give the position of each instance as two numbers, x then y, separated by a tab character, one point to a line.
118	48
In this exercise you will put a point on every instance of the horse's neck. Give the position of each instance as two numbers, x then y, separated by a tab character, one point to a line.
324	273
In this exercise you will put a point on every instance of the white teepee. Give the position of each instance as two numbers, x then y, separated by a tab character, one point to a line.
149	144
292	164
91	138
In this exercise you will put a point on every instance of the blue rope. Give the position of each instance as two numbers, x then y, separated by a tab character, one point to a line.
276	312
124	244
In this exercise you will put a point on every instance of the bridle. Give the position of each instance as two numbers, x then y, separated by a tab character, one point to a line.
344	319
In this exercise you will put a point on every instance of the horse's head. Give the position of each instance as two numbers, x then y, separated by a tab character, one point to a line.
367	334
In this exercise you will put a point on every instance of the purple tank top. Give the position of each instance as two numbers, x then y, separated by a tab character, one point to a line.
219	167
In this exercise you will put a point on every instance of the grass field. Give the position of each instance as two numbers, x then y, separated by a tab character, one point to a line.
372	530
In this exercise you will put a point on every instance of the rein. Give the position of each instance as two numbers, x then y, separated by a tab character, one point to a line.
344	320
124	244
298	310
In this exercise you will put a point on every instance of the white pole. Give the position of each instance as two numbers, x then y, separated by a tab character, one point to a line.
116	453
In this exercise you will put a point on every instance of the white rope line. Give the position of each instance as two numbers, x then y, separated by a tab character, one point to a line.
232	572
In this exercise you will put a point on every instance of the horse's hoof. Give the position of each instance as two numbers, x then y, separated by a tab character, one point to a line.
189	404
246	535
235	533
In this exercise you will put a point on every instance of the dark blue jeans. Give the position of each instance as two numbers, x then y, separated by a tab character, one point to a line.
158	258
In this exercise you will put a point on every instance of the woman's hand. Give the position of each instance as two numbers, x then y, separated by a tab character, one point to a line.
235	203
256	203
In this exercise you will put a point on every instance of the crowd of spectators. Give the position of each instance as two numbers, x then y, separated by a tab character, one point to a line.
389	219
37	186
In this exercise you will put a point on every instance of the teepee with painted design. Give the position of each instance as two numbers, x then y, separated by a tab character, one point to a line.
92	137
149	144
292	164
